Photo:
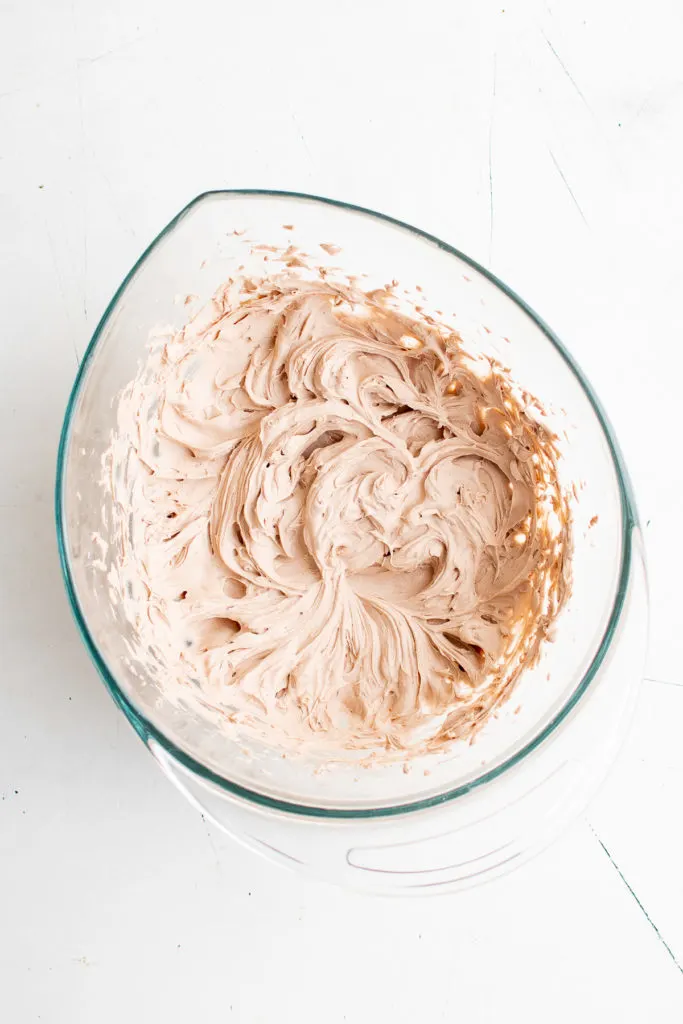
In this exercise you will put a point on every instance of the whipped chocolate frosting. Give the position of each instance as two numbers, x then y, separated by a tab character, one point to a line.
334	526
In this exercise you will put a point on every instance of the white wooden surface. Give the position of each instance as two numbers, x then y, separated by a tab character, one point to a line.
543	138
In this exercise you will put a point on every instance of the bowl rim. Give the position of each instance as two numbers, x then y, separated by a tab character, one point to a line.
147	730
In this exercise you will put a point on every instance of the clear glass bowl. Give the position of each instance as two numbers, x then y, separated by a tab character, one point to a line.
451	819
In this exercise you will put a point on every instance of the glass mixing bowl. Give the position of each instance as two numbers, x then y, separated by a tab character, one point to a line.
449	820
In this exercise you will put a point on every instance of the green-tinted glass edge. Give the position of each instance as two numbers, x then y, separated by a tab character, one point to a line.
146	729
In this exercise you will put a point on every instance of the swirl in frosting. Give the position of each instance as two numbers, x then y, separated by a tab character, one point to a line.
335	526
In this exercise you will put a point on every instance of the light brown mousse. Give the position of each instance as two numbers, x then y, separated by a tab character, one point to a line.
335	528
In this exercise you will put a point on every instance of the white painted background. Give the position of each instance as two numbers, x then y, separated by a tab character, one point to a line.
542	138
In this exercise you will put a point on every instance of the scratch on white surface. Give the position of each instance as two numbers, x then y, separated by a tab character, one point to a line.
43	81
566	70
657	99
212	844
301	136
640	905
126	226
115	51
567	186
493	104
645	103
664	682
99	56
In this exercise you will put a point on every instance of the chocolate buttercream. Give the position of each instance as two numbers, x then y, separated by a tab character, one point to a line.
335	527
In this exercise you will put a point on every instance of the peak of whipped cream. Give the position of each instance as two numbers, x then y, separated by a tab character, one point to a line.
334	528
